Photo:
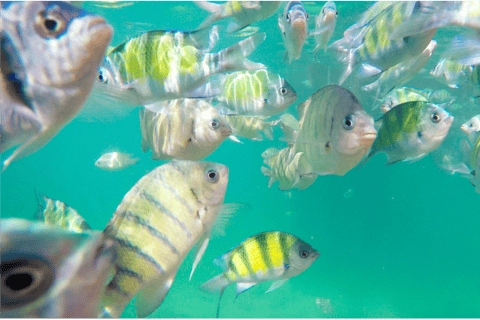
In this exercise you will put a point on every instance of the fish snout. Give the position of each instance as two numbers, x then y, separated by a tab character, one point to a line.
226	131
464	128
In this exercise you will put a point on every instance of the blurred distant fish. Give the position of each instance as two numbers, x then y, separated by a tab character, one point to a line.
244	12
401	73
252	93
325	26
164	65
49	272
402	95
159	220
450	72
274	255
57	213
472	151
189	129
411	130
370	46
41	93
251	127
112	4
294	28
114	161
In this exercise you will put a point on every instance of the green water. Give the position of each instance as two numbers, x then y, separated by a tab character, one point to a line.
395	241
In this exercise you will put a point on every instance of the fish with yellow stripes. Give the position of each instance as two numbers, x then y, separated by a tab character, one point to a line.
266	256
159	220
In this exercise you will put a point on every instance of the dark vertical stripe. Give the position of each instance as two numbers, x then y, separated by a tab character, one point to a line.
284	247
128	246
262	243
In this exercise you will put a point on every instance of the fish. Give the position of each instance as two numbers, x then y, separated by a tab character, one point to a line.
114	161
294	28
252	93
335	133
410	131
464	49
57	213
370	45
251	127
450	73
324	26
266	256
471	129
402	95
50	272
159	220
43	93
243	12
401	72
470	166
161	65
189	129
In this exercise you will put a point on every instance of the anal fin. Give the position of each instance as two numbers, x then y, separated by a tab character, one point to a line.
152	296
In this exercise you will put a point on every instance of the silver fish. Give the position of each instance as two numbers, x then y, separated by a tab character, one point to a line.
49	62
189	129
114	161
251	127
244	12
294	28
325	26
49	272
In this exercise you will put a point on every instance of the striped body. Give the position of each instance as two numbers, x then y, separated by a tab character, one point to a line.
256	93
189	129
57	213
474	76
411	130
250	127
164	65
155	226
450	72
402	95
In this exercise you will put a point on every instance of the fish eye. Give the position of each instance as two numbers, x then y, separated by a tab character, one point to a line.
283	91
435	117
49	25
214	124
102	78
304	254
348	122
306	16
287	17
336	13
212	175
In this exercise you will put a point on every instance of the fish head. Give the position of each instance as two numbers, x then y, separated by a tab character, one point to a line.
434	124
279	97
301	256
51	272
328	15
353	133
211	129
472	126
295	27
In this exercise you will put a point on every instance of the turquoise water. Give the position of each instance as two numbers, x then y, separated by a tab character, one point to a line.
395	241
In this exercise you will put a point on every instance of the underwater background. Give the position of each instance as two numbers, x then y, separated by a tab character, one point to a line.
395	241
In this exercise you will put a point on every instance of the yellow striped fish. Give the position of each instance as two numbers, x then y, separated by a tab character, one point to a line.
402	95
255	93
266	256
251	127
57	213
157	223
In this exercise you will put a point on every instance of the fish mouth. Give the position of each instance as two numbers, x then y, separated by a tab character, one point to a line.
315	255
226	132
464	128
100	33
369	136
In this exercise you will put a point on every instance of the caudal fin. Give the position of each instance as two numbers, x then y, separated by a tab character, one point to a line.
214	9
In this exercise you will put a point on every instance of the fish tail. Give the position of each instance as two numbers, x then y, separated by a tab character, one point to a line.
270	174
214	9
233	58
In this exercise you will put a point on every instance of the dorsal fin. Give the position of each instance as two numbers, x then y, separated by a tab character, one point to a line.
302	108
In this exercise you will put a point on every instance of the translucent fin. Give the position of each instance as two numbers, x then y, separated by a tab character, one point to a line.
225	214
216	284
276	284
214	9
234	138
126	95
287	132
199	253
269	173
152	296
290	121
464	49
243	286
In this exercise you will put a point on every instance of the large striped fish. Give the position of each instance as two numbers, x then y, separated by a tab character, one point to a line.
159	220
266	256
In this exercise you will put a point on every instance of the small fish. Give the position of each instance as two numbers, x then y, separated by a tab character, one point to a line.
254	93
114	161
471	129
189	129
464	49
273	255
41	93
401	73
49	272
450	72
244	12
112	4
472	151
165	65
402	95
325	26
159	220
370	46
57	213
294	28
251	127
411	130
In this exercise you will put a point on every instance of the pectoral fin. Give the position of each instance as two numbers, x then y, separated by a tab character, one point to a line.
152	296
276	284
199	254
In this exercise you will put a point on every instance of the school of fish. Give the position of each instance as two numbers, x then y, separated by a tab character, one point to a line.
192	97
